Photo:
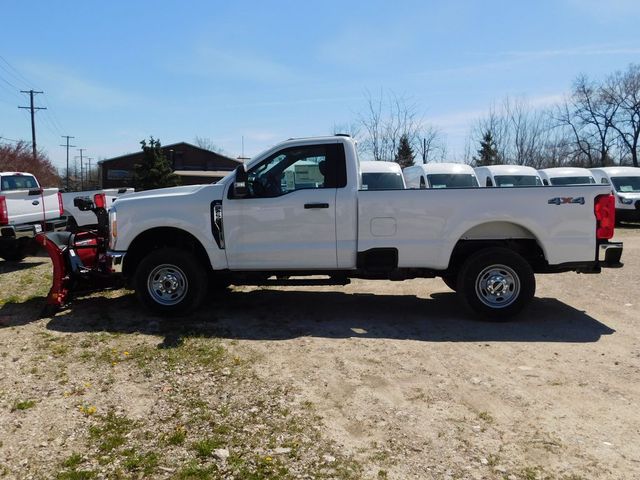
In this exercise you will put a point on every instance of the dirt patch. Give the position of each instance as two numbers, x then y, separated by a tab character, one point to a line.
373	380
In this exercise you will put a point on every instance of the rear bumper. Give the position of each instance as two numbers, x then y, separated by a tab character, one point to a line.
30	230
609	254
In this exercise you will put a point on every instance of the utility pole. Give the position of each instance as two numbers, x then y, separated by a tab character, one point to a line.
424	150
89	172
33	121
81	174
68	146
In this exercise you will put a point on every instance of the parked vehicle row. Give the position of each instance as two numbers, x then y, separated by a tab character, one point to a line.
303	209
623	181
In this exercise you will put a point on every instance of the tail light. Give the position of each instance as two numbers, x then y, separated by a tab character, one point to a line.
4	214
99	200
605	210
60	204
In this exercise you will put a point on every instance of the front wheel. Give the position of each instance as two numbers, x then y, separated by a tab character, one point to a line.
170	281
496	283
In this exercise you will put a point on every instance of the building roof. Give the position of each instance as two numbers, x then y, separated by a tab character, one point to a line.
169	147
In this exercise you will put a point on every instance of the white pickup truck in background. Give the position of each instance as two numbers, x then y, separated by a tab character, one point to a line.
76	217
508	176
625	186
440	175
25	210
566	176
260	225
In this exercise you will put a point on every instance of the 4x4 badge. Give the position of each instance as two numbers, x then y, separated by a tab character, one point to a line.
563	200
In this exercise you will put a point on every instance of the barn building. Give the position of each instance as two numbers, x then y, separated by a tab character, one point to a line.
194	165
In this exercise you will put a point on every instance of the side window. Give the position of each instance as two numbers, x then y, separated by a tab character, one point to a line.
605	181
422	182
489	182
298	168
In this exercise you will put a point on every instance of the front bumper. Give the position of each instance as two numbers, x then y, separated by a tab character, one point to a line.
115	260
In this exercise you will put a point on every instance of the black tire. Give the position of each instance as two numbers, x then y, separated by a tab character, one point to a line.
170	281
451	281
511	277
15	253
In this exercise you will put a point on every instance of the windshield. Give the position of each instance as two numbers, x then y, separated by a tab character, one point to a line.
625	184
452	180
19	182
382	181
517	180
572	180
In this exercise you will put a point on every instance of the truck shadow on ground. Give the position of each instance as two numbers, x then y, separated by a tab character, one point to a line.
279	315
8	267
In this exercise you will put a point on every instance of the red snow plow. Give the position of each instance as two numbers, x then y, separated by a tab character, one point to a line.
79	261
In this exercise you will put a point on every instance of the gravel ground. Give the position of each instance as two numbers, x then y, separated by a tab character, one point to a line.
371	380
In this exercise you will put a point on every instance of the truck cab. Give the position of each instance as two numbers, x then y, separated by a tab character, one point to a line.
378	175
566	176
440	175
508	176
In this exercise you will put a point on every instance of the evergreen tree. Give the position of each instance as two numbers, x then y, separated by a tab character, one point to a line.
404	155
155	170
488	152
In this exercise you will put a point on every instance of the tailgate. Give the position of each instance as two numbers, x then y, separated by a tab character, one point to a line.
31	206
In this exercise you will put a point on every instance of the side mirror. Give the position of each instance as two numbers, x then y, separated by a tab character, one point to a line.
240	188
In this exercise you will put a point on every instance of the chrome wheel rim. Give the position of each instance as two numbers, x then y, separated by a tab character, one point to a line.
167	284
497	286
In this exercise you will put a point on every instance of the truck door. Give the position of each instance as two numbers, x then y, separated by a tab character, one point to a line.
288	218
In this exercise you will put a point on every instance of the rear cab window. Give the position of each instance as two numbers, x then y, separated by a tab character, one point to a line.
18	182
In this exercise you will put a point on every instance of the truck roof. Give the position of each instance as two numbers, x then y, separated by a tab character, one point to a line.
16	173
508	170
565	172
380	167
613	171
447	167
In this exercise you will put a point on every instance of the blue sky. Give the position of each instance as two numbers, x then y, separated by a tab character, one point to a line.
115	72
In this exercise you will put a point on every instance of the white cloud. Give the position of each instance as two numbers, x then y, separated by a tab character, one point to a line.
75	90
211	61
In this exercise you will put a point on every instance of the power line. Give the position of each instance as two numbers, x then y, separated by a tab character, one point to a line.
33	109
68	146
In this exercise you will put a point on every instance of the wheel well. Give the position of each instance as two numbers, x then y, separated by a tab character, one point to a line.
528	248
159	238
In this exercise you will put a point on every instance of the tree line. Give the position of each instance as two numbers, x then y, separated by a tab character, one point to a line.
596	124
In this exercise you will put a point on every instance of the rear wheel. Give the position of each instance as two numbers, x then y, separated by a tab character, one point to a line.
170	281
496	283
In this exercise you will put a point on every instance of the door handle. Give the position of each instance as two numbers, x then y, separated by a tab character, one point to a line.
316	205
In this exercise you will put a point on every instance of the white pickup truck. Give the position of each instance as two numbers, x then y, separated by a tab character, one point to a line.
76	217
259	225
25	210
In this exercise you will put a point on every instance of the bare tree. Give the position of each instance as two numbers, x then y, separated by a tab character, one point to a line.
622	92
430	144
208	144
590	115
386	119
